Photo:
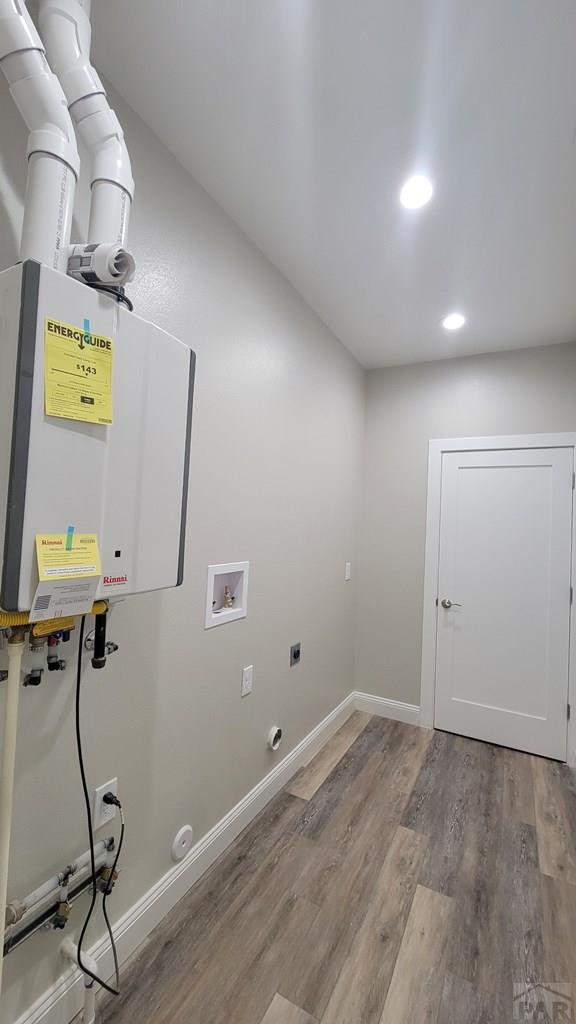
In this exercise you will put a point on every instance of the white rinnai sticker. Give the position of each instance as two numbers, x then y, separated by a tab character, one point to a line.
57	598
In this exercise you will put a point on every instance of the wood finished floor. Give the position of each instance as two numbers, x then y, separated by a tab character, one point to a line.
403	877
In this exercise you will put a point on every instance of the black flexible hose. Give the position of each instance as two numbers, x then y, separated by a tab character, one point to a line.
107	891
82	966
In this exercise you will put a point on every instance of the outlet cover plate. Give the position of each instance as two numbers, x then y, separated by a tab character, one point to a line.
103	813
295	653
247	679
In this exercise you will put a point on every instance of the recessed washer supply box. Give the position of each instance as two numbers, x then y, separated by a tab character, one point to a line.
127	482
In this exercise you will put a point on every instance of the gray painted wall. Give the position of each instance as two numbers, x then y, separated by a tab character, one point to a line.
530	391
276	457
275	478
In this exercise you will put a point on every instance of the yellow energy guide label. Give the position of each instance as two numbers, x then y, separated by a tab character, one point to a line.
77	372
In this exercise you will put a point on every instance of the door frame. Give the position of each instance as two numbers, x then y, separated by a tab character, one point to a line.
436	449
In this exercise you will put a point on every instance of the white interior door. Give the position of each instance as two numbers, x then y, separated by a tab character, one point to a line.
504	597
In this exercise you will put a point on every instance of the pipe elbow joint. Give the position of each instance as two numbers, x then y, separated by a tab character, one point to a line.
65	27
66	32
103	134
18	30
50	140
42	104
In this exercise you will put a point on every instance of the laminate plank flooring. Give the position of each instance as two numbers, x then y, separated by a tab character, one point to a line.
403	876
309	780
554	821
559	921
362	985
518	793
416	987
283	1012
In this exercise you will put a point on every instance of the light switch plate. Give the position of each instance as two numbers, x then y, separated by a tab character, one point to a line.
247	677
348	574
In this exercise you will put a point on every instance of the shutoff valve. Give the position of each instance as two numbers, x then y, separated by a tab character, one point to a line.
54	662
60	919
38	661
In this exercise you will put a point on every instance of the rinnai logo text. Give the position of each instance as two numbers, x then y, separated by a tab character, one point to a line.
113	581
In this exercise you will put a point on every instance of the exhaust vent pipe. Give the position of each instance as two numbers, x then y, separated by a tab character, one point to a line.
53	162
101	264
66	30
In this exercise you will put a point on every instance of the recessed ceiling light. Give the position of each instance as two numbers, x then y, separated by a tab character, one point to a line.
416	192
454	321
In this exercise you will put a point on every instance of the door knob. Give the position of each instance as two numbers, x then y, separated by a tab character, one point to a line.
448	604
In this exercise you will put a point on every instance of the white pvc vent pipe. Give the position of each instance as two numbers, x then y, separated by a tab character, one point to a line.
52	152
69	951
15	652
67	33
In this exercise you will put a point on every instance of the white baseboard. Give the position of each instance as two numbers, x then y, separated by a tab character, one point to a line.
386	708
63	1000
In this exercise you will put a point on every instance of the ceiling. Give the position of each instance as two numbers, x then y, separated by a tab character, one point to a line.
302	118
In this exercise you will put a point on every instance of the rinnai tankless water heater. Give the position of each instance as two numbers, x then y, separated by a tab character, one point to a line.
121	470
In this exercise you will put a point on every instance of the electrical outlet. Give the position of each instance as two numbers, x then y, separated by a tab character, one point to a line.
348	573
103	813
247	677
295	652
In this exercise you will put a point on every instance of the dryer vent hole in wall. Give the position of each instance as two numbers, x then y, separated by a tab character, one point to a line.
275	737
295	652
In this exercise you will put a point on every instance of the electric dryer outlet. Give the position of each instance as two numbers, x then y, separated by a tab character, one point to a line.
103	813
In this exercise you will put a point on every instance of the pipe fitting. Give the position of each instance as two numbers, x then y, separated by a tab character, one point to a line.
101	264
17	32
14	620
53	161
14	912
39	97
102	133
65	27
66	30
69	951
8	762
17	638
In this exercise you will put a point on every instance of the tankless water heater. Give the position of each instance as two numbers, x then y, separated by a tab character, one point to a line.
95	423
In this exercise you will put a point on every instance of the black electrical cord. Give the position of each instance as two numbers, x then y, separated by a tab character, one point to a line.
117	292
82	966
108	890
